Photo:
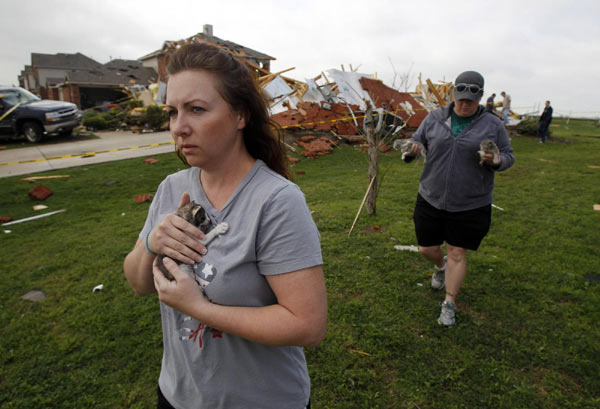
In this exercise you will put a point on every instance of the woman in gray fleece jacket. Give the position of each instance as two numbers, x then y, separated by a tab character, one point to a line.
455	192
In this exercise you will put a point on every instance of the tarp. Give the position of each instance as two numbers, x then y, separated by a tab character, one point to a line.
349	88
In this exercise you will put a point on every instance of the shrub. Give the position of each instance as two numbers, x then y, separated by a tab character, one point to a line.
155	117
529	126
132	103
95	122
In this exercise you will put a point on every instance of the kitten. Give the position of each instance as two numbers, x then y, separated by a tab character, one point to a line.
488	146
401	144
196	215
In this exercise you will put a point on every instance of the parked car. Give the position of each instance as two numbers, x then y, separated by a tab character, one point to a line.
22	112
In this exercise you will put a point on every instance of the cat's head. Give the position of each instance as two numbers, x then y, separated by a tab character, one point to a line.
197	215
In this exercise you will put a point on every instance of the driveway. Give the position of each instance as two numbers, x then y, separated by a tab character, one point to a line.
110	147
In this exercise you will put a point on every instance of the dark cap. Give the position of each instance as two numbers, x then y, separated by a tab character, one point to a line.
469	78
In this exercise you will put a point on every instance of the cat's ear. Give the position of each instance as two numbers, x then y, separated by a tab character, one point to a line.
185	199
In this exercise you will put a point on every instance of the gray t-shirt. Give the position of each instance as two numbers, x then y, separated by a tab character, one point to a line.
270	232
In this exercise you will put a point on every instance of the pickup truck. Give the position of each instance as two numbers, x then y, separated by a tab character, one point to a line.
22	112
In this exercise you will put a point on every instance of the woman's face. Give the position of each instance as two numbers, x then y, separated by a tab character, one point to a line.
204	127
466	107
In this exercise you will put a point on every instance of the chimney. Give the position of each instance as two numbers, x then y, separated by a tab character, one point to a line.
207	30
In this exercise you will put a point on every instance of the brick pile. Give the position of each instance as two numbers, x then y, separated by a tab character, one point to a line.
315	147
320	117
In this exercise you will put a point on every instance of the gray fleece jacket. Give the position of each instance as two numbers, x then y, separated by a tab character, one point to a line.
452	178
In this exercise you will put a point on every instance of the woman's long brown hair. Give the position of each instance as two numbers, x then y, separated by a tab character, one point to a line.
262	138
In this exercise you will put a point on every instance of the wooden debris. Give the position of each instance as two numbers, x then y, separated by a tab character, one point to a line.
150	161
35	178
39	207
597	207
4	219
356	351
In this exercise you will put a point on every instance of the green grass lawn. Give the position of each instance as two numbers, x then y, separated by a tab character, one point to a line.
527	333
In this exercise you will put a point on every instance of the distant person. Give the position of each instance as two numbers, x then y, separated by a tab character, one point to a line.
489	104
235	327
505	107
545	120
455	193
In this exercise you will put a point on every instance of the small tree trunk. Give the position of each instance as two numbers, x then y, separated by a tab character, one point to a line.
373	143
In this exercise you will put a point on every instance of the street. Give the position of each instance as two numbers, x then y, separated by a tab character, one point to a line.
111	146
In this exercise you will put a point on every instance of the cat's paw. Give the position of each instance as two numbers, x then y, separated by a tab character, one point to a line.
222	228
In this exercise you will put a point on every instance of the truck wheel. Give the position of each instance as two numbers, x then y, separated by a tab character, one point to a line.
33	132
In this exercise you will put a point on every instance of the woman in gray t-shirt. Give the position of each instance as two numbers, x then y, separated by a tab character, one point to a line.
234	329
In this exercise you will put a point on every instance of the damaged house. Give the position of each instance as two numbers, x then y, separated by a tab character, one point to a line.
81	80
158	60
339	102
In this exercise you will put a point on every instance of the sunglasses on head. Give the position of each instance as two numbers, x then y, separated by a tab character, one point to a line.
473	89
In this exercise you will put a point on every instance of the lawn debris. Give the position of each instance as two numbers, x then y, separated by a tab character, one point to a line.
497	207
27	219
98	288
356	351
39	207
597	207
146	197
40	192
4	219
36	178
594	166
111	182
314	148
151	161
407	248
34	296
7	231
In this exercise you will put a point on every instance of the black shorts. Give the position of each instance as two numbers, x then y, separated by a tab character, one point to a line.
460	229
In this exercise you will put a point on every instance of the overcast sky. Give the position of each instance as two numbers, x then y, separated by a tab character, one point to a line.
534	50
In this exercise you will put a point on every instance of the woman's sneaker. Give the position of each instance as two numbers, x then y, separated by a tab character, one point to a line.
448	314
438	279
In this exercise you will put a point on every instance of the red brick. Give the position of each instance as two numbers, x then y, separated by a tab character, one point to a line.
40	192
142	198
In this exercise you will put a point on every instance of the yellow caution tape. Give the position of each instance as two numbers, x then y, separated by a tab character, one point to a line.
152	145
7	113
348	118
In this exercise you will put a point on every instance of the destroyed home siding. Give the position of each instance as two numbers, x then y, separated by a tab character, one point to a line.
382	94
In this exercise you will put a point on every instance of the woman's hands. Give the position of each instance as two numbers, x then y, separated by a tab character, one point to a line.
183	293
298	318
176	238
